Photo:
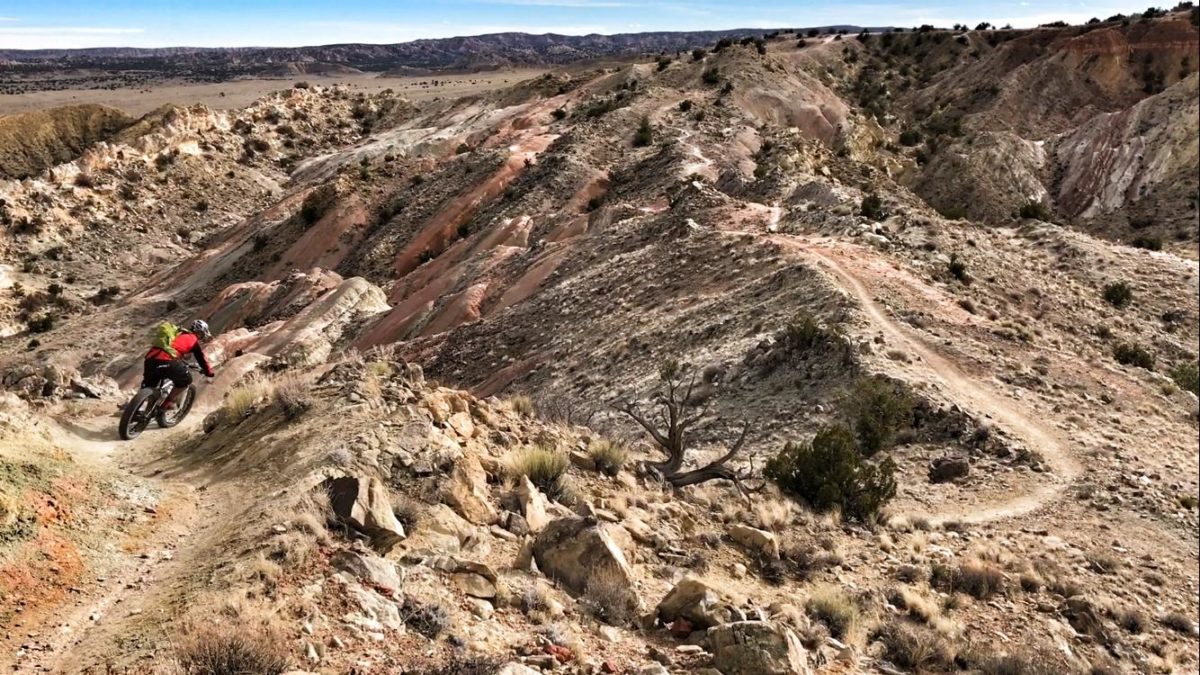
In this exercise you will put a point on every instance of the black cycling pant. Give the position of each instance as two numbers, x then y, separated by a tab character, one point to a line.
155	371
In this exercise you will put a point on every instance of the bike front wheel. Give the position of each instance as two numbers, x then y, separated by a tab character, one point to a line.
136	416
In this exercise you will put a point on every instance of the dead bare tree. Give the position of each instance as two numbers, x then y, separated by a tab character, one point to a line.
678	416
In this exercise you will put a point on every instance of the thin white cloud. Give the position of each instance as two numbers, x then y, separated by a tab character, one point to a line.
68	30
67	37
574	4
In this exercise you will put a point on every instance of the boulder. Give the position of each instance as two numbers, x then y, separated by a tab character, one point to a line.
699	604
375	612
462	424
473	585
946	469
570	549
467	491
444	530
757	541
364	504
533	505
96	387
371	569
756	648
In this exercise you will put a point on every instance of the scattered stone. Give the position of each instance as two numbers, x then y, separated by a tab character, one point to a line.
696	603
756	540
363	503
533	505
474	585
946	469
467	491
372	569
757	648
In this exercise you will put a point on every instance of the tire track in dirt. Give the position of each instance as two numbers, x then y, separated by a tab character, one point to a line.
967	391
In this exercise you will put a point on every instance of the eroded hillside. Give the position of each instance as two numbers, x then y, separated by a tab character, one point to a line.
753	216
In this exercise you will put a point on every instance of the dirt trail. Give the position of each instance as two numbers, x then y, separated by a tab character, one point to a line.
128	581
969	391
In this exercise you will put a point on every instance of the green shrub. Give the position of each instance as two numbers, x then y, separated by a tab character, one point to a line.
1148	242
644	135
559	113
910	137
872	207
1035	210
1187	376
1118	294
664	62
544	467
711	75
958	269
828	472
1133	354
877	410
685	105
608	456
699	53
803	333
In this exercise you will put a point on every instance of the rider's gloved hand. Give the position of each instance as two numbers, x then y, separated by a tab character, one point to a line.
209	373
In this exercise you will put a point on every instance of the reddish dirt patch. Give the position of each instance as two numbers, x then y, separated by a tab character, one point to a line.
37	576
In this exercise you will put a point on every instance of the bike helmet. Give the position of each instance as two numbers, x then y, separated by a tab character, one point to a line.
200	327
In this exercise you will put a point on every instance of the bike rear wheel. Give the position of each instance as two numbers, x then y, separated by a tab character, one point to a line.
169	418
137	414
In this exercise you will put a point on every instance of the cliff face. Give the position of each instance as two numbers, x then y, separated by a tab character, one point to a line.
35	141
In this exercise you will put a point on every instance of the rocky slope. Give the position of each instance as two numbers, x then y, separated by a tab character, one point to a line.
1107	94
34	142
546	249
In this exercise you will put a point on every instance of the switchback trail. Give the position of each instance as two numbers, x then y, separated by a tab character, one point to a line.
937	369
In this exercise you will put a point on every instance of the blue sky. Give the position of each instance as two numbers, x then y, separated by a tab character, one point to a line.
147	23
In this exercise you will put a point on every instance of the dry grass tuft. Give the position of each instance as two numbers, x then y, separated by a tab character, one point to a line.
231	651
833	607
774	513
241	400
608	596
290	395
544	467
1178	621
522	405
608	456
408	511
978	579
915	647
429	620
918	606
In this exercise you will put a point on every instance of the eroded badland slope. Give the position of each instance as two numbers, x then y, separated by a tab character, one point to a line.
438	325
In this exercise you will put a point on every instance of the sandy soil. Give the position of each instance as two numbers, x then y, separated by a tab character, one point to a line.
241	93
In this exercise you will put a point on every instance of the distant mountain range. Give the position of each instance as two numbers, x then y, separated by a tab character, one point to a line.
456	53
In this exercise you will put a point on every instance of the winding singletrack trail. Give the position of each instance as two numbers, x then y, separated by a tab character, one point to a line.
129	580
935	368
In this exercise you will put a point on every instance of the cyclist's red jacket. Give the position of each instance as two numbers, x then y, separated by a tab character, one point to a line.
185	343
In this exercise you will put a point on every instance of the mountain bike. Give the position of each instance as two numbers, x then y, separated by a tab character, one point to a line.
146	405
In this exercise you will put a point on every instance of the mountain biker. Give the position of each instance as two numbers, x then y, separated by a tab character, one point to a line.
161	364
